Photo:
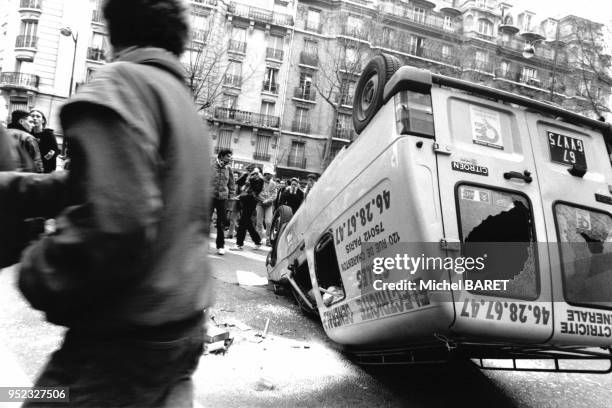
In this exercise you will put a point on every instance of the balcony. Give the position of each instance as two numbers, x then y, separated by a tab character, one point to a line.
245	118
198	35
305	94
30	9
355	32
542	51
25	47
299	162
273	53
479	66
232	80
480	36
210	3
19	80
300	126
262	156
271	87
313	27
97	17
344	133
519	78
309	59
260	15
95	54
429	19
236	46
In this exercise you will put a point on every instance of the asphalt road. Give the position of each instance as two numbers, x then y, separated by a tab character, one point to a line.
295	365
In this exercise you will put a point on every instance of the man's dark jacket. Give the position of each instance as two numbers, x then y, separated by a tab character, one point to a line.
48	147
293	200
131	243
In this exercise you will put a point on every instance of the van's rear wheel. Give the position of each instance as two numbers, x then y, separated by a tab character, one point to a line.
370	88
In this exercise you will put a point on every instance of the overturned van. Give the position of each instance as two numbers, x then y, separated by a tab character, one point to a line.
463	219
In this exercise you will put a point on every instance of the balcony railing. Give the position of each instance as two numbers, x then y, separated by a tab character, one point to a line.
95	54
199	35
519	46
344	133
299	162
307	94
271	87
482	66
237	46
519	77
429	19
274	53
97	16
19	80
300	126
31	4
232	80
355	32
207	2
309	59
260	14
247	118
262	156
26	41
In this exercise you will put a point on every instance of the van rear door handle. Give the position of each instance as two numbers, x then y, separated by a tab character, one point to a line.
525	176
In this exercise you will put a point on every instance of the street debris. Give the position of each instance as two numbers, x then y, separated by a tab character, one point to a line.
265	330
215	334
248	278
264	384
216	340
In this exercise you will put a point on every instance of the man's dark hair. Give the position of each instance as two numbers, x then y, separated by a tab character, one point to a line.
312	177
147	23
224	152
17	115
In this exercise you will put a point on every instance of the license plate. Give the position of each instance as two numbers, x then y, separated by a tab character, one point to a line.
566	150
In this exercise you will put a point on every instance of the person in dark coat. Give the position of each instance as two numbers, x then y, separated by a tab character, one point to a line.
25	146
47	143
127	269
248	200
292	195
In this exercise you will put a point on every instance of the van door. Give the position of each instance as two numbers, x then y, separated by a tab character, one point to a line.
489	192
573	172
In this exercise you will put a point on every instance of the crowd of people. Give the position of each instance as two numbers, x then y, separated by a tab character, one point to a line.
246	202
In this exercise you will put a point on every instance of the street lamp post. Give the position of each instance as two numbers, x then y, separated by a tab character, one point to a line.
67	32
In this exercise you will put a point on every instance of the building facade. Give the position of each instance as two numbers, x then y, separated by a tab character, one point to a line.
275	79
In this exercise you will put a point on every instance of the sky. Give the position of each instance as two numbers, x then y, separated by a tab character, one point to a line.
597	10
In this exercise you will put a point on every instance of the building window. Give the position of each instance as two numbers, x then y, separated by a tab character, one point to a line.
355	25
238	40
446	51
485	27
233	74
448	23
98	47
296	154
347	91
416	45
313	20
529	75
352	58
270	83
301	122
225	139
344	126
388	35
305	88
275	47
419	14
504	68
262	147
229	101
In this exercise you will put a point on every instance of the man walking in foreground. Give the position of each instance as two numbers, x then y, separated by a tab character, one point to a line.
224	187
126	270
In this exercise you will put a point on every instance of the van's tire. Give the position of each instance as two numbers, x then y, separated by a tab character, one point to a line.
370	89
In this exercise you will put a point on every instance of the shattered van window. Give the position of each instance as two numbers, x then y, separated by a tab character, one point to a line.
585	244
498	224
